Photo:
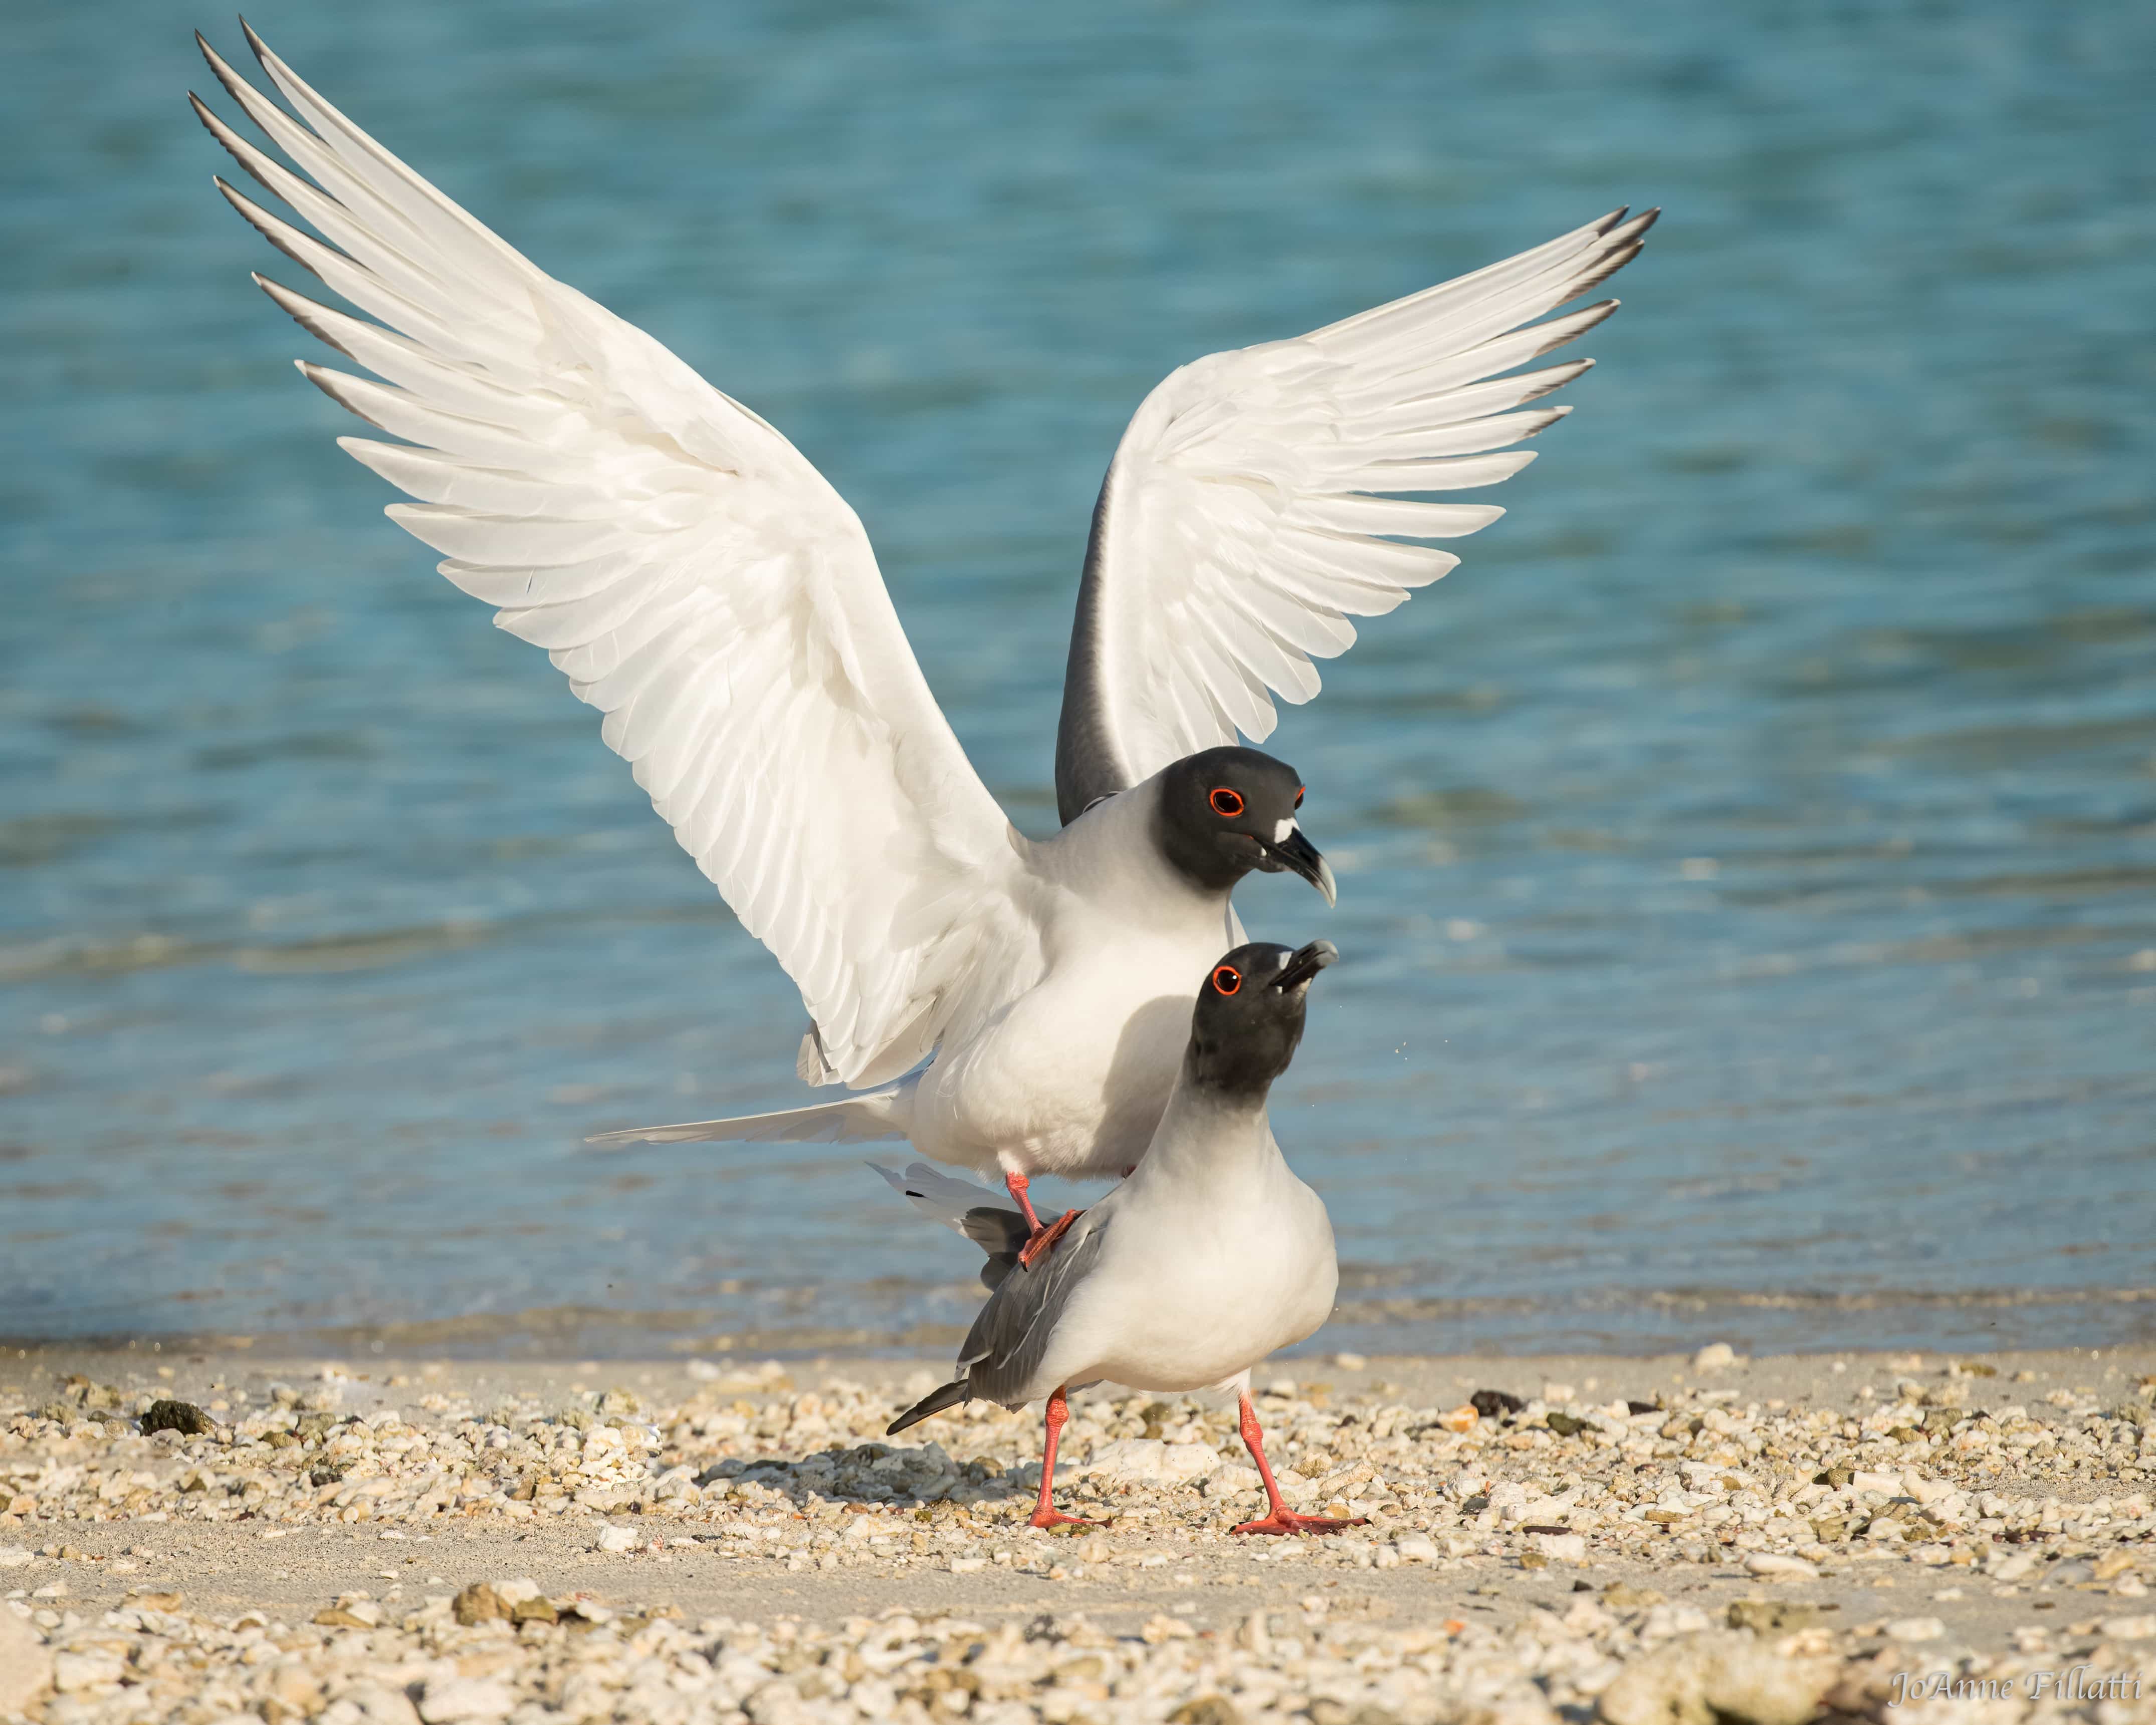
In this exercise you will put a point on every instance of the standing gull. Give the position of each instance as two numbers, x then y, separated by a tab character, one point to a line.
1210	1256
1008	1004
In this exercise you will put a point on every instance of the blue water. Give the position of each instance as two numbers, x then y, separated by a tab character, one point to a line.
1746	855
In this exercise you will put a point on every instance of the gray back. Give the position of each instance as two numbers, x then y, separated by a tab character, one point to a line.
1009	1340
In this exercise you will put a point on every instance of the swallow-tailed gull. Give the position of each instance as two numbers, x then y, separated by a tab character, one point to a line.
704	586
1209	1257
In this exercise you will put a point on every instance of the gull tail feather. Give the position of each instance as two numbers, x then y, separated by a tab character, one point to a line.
998	1231
884	1113
935	1402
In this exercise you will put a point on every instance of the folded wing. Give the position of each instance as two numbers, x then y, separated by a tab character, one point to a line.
1251	507
687	569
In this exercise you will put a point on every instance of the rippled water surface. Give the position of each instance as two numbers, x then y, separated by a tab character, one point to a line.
1746	856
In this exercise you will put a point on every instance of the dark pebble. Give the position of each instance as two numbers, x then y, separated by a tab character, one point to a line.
177	1416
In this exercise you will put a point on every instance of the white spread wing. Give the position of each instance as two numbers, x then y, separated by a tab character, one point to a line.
696	579
1244	518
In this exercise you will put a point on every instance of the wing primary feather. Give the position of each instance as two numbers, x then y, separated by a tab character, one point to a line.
682	564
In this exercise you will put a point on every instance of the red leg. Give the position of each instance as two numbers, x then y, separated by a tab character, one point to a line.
1041	1238
1045	1512
1016	1185
1281	1520
1041	1243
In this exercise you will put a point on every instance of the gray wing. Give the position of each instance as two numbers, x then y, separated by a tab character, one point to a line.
1005	1347
1260	498
1087	765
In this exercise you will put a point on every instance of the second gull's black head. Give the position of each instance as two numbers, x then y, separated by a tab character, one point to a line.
1248	1020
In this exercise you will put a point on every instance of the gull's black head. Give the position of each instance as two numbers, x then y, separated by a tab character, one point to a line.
1249	1016
1229	810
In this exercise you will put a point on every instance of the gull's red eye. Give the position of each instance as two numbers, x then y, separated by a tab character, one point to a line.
1229	804
1298	796
1227	979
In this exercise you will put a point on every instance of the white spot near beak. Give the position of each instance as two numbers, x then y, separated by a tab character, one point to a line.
1281	831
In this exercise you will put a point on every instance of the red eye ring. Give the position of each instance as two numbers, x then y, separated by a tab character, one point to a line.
1299	790
1226	979
1226	803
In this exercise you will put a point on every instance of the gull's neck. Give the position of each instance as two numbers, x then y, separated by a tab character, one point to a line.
1211	1135
1111	854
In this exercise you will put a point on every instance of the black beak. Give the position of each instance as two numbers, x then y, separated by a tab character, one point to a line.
1298	854
1302	965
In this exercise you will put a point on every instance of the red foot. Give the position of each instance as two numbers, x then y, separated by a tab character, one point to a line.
1056	1518
1282	1521
1045	1239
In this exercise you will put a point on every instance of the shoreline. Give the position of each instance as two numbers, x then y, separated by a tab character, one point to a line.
1826	1520
1638	1324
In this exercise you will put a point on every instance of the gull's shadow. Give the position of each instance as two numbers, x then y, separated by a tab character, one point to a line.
887	1476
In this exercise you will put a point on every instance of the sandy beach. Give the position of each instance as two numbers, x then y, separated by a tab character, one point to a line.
1655	1539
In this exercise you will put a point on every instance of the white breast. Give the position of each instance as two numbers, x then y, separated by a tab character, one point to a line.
1071	1077
1210	1263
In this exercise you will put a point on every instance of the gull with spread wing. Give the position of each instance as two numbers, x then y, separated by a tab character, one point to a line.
1008	1004
1210	1256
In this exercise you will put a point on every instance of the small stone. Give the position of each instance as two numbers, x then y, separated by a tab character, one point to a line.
1206	1710
1716	1679
619	1539
1417	1549
465	1698
1775	1616
1770	1564
1714	1356
1491	1403
74	1672
14	1557
1462	1418
1350	1362
377	1705
2129	1628
182	1417
1915	1629
968	1566
479	1604
1564	1548
26	1663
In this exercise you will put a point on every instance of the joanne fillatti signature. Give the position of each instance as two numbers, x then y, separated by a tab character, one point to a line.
2076	1682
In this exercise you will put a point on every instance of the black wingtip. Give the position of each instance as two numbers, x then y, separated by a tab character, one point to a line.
935	1402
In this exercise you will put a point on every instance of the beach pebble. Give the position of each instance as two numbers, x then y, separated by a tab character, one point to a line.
73	1673
1769	1563
455	1700
1714	1356
26	1662
1915	1629
2129	1628
1718	1678
14	1557
619	1539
